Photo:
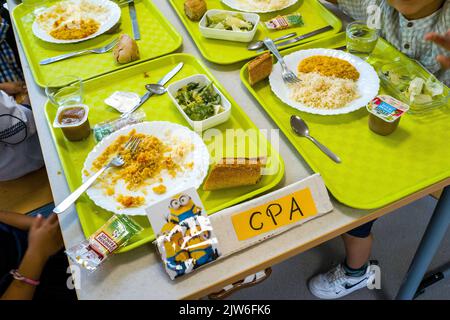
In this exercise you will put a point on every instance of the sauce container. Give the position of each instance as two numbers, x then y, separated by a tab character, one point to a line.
73	121
385	113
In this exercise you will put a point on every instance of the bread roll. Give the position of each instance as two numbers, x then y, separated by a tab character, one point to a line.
195	9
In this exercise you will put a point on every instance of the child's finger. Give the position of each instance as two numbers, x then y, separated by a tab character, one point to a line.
444	61
37	222
443	41
52	220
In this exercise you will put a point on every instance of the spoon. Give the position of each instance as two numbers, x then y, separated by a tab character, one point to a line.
301	128
156	88
256	45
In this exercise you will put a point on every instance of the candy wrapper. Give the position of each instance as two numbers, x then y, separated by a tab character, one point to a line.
114	234
185	238
285	22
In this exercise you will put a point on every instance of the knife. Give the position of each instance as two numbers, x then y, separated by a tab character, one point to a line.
305	36
134	22
148	94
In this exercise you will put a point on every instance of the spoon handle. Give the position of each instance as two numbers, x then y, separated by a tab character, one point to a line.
325	150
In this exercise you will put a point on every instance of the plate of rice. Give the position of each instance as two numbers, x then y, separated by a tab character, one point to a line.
73	21
332	82
259	6
169	158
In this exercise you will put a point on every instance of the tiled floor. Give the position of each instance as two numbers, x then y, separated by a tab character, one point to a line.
397	236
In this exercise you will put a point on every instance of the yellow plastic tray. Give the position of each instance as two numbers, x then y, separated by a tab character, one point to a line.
73	154
315	16
158	37
375	170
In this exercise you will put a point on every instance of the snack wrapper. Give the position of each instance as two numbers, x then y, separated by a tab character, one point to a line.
285	22
114	234
185	237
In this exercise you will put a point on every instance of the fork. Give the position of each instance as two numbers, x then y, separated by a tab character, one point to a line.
287	75
132	145
103	49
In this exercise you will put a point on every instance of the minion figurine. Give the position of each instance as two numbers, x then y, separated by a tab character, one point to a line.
199	246
182	207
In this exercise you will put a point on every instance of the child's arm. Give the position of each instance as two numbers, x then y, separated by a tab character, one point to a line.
16	220
13	88
444	42
44	240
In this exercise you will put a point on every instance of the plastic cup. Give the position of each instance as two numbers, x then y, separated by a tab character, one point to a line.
65	91
361	39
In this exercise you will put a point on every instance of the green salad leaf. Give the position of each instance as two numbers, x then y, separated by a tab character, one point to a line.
199	102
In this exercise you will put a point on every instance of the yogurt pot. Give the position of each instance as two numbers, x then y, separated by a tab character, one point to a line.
73	121
385	114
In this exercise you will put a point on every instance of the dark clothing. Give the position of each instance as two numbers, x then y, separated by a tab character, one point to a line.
13	244
362	231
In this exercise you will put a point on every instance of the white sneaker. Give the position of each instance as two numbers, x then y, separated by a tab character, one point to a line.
336	284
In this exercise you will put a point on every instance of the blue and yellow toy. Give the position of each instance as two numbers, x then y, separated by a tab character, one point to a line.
182	207
200	247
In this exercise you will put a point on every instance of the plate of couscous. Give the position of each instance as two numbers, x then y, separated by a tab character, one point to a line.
331	82
73	21
168	159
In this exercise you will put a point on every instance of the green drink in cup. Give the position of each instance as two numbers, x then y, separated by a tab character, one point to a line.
361	39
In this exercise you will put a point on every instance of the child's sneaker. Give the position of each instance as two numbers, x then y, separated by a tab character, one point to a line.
336	283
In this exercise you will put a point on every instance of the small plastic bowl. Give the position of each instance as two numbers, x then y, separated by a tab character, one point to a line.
74	131
412	70
210	122
240	36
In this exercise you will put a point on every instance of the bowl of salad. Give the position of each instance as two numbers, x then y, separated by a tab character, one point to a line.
200	102
415	86
229	25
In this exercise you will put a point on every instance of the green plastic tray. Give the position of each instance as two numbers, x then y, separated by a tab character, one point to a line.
158	37
315	16
73	154
375	170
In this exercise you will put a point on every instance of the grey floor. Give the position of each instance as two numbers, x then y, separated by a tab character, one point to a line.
397	236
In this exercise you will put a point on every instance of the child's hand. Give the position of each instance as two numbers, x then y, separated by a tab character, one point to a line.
13	88
44	237
444	42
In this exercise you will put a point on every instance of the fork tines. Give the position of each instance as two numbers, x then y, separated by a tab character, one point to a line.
132	144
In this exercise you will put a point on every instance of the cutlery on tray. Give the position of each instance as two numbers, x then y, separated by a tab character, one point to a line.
287	75
304	36
117	161
100	50
301	128
256	45
148	94
134	22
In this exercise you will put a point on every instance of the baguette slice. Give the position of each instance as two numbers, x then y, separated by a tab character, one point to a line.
233	172
260	68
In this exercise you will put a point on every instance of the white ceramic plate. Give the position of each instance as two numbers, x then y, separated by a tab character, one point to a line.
368	82
106	20
164	131
257	6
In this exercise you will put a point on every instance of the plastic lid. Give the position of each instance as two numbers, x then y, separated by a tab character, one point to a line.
387	108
